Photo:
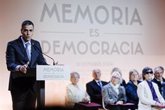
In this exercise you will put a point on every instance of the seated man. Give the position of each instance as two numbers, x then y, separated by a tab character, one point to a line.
159	80
113	94
94	87
74	92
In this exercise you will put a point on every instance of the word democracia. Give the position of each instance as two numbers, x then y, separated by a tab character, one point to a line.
69	13
94	47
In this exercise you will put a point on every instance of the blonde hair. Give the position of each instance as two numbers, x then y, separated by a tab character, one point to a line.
131	72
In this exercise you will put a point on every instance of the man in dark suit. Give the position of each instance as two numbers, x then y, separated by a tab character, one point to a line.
94	87
159	80
22	56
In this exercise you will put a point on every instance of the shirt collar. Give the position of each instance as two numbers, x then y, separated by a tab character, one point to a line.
97	81
25	42
161	80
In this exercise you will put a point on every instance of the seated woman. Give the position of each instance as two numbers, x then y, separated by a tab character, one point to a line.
148	92
122	81
113	93
74	92
131	88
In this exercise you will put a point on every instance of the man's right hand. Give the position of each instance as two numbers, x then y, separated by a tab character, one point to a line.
23	68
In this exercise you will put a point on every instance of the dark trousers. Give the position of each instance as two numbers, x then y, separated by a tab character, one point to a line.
24	100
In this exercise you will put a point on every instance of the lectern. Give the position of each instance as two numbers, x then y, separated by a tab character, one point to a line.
50	72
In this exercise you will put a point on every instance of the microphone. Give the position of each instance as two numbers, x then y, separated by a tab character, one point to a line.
54	63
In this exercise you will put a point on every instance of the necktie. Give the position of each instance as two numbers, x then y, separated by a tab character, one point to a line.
99	83
28	50
154	95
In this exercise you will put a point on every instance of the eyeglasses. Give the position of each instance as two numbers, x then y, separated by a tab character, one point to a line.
149	73
159	72
75	77
116	77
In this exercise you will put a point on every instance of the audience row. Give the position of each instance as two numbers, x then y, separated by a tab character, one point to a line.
147	94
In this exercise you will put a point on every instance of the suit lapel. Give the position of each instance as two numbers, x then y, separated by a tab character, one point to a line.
96	85
22	48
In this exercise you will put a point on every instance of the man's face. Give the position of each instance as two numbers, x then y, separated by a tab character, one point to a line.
27	32
97	74
158	74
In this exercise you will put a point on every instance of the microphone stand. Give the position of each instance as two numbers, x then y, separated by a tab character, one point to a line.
54	63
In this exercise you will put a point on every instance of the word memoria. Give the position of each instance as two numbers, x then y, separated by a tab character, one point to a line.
101	14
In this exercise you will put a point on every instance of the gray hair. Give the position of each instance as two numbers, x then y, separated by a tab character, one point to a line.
72	74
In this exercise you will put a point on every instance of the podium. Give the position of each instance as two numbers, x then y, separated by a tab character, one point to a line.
49	72
52	72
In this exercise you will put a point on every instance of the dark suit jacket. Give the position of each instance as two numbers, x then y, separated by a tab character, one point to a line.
94	91
161	86
131	93
16	55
